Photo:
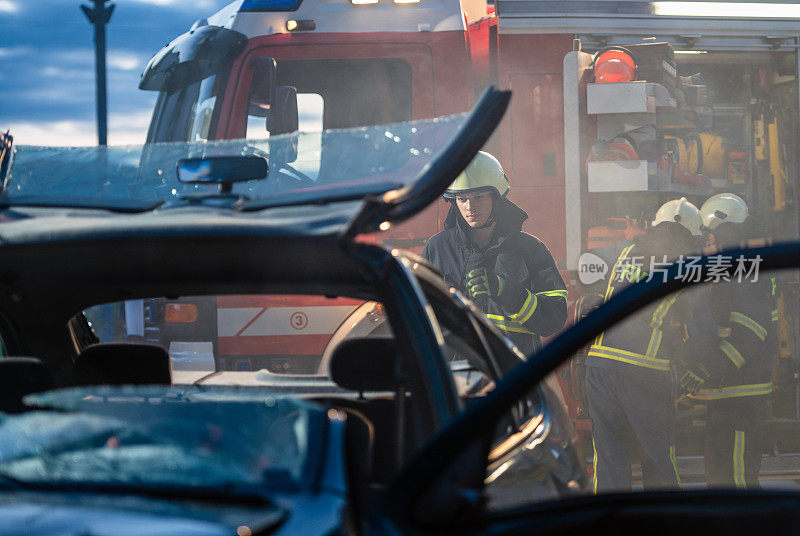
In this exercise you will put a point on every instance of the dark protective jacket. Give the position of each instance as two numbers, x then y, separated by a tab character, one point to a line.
679	325
744	311
513	255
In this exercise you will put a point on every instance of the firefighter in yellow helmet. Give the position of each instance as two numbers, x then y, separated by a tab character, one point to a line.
629	384
483	252
737	404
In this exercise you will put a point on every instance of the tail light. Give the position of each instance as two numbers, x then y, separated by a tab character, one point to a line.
180	313
614	64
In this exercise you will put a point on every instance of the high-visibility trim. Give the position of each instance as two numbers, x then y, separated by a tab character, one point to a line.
775	316
749	323
555	293
632	358
674	463
609	292
654	344
733	391
514	329
733	354
501	284
774	285
527	309
506	324
738	460
632	273
723	332
594	467
663	308
610	288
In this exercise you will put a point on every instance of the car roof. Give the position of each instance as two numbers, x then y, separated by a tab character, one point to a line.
54	266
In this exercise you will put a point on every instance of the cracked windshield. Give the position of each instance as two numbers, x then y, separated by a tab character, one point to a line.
274	260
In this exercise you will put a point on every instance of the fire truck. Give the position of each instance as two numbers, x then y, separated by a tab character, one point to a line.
617	107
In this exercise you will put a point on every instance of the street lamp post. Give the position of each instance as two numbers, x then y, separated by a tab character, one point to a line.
99	15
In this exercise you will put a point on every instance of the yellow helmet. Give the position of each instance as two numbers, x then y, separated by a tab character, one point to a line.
680	211
723	208
483	174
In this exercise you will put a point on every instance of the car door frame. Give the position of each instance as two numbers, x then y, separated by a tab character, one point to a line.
455	450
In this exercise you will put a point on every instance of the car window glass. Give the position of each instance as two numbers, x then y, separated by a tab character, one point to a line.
267	333
473	373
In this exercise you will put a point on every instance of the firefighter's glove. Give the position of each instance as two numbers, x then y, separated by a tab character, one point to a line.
503	290
693	378
484	283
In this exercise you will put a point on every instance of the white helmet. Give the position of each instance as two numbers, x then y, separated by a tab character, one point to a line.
723	208
680	211
483	174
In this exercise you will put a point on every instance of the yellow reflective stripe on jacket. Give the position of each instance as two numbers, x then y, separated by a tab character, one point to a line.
750	324
654	344
733	354
507	324
775	317
663	308
610	287
632	273
733	391
632	358
527	309
556	293
738	459
594	467
774	285
723	332
674	463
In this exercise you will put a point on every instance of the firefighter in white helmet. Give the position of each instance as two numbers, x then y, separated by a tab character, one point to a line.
743	310
683	212
628	369
483	252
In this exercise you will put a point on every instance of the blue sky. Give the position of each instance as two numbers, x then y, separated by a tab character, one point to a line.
47	85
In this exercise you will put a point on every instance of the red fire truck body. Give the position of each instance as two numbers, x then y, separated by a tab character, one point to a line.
385	61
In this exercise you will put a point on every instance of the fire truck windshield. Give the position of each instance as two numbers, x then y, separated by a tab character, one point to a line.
185	114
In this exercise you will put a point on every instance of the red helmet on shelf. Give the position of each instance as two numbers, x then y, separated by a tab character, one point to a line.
614	64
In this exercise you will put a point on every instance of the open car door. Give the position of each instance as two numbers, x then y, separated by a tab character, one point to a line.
443	487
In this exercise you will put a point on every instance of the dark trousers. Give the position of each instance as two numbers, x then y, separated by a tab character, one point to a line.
734	432
631	413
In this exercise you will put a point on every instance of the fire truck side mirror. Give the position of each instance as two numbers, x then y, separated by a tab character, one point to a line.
263	84
283	117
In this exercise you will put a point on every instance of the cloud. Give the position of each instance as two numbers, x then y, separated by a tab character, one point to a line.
195	5
15	51
47	71
123	129
7	6
126	61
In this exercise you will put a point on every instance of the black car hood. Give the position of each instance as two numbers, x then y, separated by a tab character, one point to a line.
71	514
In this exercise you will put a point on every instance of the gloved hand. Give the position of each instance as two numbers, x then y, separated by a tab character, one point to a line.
692	378
481	282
